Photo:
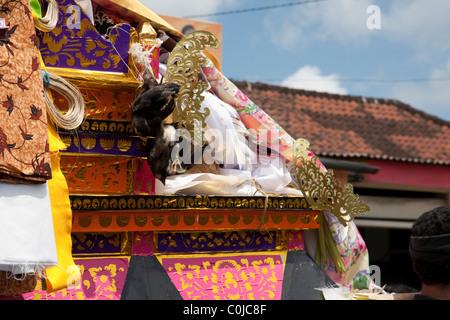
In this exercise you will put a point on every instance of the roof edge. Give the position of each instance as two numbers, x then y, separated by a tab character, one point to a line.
359	99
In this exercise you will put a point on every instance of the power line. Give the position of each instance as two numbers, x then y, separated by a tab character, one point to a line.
277	6
367	80
378	80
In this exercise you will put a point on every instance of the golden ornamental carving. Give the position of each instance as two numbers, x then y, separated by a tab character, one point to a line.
157	220
218	218
122	220
85	221
105	221
140	220
188	219
321	190
292	218
183	68
248	218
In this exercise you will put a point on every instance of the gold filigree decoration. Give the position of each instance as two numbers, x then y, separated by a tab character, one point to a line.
321	190
183	68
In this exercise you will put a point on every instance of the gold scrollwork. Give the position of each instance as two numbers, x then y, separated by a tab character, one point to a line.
104	204
131	203
95	203
122	203
214	203
86	203
321	190
113	203
77	204
140	203
190	203
183	68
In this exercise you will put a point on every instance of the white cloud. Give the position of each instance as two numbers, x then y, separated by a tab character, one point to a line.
432	97
343	20
310	78
420	23
417	23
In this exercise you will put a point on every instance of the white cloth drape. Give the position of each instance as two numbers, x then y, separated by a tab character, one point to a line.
27	238
243	171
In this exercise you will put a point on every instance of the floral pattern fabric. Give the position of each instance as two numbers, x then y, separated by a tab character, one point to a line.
24	147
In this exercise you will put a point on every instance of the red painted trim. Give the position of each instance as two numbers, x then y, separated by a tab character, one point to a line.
416	174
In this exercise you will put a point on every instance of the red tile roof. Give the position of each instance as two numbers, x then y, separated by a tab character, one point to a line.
347	126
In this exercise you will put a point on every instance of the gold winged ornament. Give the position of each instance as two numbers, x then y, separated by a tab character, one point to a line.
321	190
183	68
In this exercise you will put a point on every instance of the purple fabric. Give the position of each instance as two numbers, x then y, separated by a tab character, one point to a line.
80	46
216	241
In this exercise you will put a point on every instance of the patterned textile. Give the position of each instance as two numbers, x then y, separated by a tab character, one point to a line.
218	277
24	148
102	279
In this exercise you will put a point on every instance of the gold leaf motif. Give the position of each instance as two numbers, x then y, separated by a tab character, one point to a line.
233	218
140	220
85	221
157	220
124	145
203	219
247	218
106	143
277	218
218	219
122	221
88	142
173	219
292	217
321	190
188	219
305	218
105	221
183	68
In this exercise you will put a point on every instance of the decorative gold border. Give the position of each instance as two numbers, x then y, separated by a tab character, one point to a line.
280	241
163	202
194	219
125	245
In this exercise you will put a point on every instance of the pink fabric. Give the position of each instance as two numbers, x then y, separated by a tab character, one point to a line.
215	277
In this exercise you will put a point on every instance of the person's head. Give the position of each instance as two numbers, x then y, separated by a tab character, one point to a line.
430	246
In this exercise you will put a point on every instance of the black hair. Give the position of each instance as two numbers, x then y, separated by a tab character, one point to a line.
432	223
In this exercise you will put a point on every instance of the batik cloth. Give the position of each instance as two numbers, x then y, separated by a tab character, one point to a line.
24	154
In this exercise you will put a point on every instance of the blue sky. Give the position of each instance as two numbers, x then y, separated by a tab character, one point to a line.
327	46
